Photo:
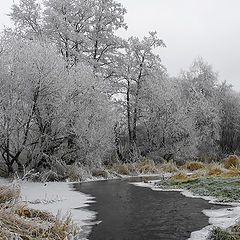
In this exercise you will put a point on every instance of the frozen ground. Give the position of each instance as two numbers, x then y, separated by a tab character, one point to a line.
60	199
224	217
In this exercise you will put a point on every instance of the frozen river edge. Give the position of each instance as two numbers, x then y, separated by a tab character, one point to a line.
223	218
60	199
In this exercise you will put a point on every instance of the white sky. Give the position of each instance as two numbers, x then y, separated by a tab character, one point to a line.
189	28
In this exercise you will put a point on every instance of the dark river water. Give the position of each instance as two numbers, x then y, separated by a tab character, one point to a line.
130	212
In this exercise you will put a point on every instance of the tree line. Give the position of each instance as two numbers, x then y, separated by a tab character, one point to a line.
73	91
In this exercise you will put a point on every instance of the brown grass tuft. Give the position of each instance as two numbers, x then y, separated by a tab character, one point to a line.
193	165
183	176
232	161
232	172
180	176
168	166
121	169
146	165
9	193
197	175
149	162
24	211
215	169
100	173
19	222
235	230
130	167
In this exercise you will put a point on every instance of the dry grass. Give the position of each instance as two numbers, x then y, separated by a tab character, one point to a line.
23	210
180	176
146	166
235	230
9	194
228	169
193	165
77	172
130	167
231	233
100	173
19	222
148	162
218	170
168	166
121	169
147	169
232	161
183	176
232	172
215	169
38	227
198	174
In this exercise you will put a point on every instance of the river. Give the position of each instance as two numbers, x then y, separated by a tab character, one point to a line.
129	212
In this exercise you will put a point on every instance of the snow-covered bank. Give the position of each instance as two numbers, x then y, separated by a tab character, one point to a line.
120	176
224	217
59	198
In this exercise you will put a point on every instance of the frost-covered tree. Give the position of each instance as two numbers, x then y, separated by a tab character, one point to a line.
135	66
88	117
56	100
48	111
27	18
85	29
229	119
199	91
167	128
30	74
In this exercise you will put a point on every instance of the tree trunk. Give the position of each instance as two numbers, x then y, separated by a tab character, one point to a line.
129	117
117	143
10	169
135	113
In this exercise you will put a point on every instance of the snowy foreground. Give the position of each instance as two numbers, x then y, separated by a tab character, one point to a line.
60	199
224	217
55	196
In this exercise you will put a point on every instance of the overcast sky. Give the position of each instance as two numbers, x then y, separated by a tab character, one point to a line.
189	28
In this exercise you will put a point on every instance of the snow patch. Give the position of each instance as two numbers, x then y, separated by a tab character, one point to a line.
59	198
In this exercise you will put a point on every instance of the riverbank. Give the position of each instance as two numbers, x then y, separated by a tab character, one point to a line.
57	200
131	212
224	219
54	196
